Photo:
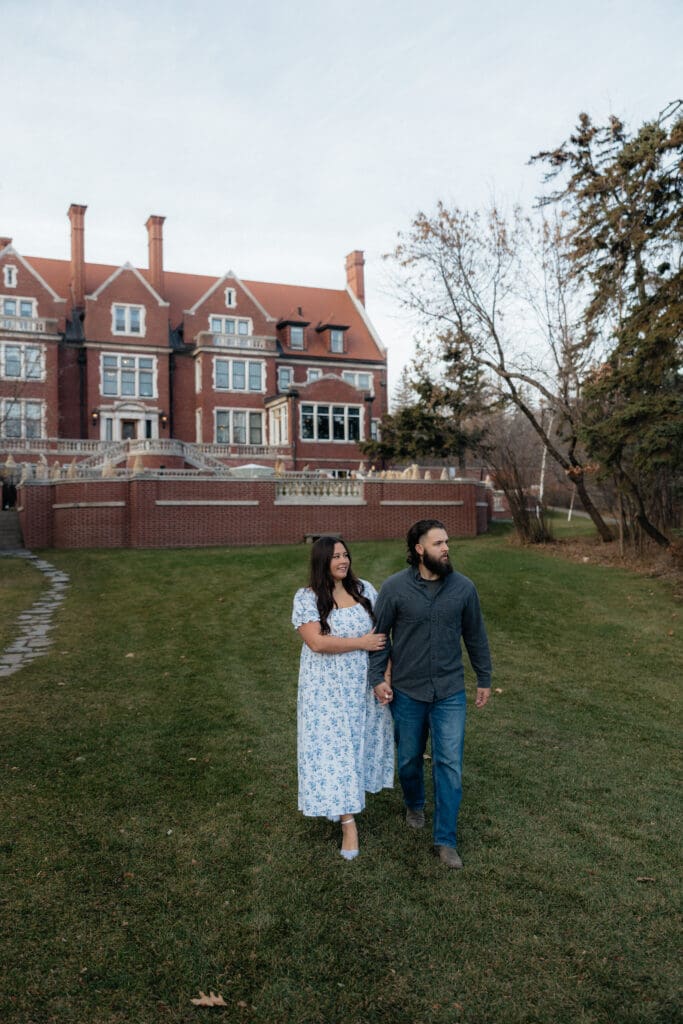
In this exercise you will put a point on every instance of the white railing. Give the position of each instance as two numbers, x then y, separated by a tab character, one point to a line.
41	445
29	324
241	342
303	485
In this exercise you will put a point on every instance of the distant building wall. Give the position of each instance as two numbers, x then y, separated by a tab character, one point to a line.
150	511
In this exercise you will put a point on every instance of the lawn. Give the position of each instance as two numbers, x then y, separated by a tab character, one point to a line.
20	585
151	847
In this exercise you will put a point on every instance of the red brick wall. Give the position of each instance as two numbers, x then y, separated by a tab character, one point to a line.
184	401
96	514
69	394
152	512
36	515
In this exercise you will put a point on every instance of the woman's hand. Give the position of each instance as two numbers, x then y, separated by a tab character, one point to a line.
384	692
373	641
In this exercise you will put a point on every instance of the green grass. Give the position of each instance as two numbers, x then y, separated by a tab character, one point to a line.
151	847
20	585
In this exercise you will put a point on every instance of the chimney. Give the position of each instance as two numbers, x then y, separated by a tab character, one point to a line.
77	218
4	242
155	232
355	277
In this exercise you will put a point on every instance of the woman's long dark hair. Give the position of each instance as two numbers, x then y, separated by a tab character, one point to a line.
322	584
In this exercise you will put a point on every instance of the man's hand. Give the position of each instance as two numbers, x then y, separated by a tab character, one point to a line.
384	693
483	694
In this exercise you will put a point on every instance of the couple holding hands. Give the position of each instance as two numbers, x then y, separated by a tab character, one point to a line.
382	668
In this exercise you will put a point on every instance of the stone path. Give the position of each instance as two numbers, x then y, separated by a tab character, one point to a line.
35	624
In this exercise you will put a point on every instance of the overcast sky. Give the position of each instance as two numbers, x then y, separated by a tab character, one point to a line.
276	137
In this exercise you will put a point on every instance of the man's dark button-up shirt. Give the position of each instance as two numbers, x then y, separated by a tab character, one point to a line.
426	622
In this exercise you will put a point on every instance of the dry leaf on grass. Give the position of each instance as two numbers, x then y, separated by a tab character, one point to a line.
211	1000
645	878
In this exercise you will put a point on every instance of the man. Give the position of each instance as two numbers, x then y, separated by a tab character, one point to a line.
427	609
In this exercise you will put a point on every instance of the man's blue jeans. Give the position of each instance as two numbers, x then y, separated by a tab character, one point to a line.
414	720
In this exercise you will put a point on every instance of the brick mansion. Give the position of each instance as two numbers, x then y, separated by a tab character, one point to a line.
242	371
140	407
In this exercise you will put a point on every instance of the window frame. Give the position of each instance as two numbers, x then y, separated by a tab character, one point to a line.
132	372
10	275
337	341
352	377
297	327
22	404
227	364
250	416
18	301
350	413
128	308
243	326
24	366
289	370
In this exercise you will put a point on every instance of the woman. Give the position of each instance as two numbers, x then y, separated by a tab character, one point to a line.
345	740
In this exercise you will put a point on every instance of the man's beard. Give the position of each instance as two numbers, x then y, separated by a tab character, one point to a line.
436	566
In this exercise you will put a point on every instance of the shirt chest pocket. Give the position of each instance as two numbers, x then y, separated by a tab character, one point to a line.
448	615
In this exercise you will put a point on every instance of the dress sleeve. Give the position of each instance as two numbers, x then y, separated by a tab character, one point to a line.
305	608
369	592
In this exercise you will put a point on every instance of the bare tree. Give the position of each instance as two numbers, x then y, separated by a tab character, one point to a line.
499	288
513	452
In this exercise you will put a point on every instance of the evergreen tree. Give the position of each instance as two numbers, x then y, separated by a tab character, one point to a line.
624	195
438	416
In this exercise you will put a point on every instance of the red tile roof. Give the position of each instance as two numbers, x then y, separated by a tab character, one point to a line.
281	301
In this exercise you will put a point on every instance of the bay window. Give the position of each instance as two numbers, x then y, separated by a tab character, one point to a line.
330	422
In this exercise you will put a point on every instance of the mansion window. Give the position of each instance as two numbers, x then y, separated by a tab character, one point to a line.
238	374
285	378
313	374
230	299
330	422
22	308
296	336
128	376
126	319
21	419
278	425
22	362
9	274
362	381
239	426
336	340
229	325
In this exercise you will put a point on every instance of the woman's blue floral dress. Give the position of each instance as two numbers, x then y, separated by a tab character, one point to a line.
345	738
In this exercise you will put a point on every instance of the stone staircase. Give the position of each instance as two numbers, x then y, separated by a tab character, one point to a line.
10	531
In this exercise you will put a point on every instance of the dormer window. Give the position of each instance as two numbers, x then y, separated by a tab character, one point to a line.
336	339
9	273
335	336
296	331
128	319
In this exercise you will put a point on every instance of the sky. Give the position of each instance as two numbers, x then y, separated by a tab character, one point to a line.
277	138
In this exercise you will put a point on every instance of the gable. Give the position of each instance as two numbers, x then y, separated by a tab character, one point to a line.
28	281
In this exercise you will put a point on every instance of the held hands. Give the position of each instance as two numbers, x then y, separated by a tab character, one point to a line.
384	693
373	641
